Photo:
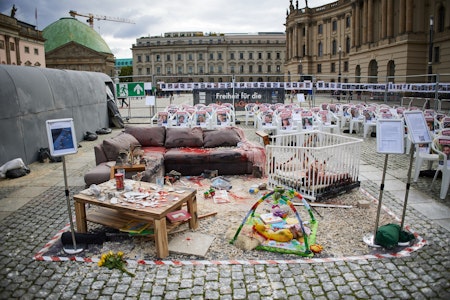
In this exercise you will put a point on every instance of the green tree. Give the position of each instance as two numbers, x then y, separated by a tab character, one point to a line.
126	71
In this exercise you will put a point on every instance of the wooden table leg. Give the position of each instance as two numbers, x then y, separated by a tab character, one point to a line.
80	215
161	240
192	209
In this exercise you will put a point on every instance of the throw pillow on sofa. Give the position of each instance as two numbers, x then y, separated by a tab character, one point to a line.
113	146
226	137
148	136
184	137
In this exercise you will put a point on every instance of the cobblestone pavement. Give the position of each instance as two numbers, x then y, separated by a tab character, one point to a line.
425	274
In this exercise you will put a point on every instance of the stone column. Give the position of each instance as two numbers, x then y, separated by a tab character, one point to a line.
296	40
390	18
365	18
402	17
383	19
409	15
358	25
370	22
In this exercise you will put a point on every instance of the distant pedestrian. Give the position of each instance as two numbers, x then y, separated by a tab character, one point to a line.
123	101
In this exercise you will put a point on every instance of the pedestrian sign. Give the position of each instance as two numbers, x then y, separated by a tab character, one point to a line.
130	89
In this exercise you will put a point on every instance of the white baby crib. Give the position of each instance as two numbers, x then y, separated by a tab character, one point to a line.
317	164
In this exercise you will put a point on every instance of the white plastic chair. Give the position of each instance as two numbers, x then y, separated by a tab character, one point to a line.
441	145
423	154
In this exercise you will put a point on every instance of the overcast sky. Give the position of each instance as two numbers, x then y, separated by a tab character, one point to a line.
157	17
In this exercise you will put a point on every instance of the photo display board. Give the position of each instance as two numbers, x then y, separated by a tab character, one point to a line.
61	137
417	127
390	136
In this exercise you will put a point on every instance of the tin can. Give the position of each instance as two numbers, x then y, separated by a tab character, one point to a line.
119	181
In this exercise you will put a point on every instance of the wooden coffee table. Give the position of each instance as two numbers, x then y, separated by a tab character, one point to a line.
119	214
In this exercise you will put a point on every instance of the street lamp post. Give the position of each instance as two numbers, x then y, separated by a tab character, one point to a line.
430	51
339	75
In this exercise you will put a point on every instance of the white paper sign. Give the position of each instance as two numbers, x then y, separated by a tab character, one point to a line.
390	136
300	97
417	127
150	100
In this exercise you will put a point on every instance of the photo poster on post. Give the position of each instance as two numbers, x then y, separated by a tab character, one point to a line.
61	137
417	127
390	136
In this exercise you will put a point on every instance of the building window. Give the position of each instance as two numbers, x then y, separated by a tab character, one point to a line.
211	69
333	67
304	31
241	55
200	56
2	44
334	25
250	55
259	55
147	58
269	55
232	55
179	57
27	49
200	70
304	50
219	56
269	69
219	69
190	56
158	57
278	55
250	69
12	46
148	71
347	45
139	71
169	70
158	70
345	66
167	57
180	69
320	29
319	49
190	70
211	56
260	69
441	19
139	58
334	47
319	68
278	68
241	69
436	54
347	22
232	69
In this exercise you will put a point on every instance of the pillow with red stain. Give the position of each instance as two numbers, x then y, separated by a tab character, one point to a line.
184	137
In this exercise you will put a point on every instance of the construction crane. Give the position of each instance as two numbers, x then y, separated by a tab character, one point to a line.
91	18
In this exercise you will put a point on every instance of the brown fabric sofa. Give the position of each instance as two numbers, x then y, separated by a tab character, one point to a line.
189	151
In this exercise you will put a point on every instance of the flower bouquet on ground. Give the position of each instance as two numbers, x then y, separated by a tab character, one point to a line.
114	261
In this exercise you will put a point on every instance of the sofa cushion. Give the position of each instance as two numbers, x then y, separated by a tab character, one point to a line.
113	146
184	137
226	137
148	136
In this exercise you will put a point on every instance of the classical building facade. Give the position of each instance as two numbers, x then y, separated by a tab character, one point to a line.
199	57
369	40
20	43
73	45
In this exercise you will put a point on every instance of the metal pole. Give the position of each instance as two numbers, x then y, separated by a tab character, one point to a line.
75	250
408	184
339	76
380	200
430	51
